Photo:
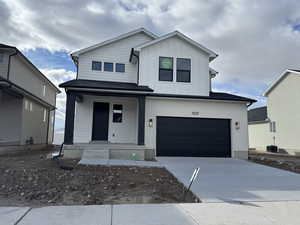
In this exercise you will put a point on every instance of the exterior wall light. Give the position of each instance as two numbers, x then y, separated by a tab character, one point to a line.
150	122
237	125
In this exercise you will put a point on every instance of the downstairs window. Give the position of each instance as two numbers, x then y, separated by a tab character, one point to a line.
117	113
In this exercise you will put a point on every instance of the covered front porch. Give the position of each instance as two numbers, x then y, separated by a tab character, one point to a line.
109	121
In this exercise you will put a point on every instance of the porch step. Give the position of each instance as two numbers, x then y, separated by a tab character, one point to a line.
95	154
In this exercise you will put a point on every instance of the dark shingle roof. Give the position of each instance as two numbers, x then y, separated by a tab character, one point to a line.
95	84
6	46
295	70
109	85
212	96
257	114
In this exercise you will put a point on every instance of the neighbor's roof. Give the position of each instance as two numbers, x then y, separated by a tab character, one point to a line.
212	55
140	30
279	79
258	115
31	64
6	46
106	85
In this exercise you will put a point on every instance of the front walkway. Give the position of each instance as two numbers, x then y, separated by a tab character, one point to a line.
262	213
227	179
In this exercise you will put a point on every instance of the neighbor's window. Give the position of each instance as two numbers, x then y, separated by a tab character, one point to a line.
30	107
44	90
117	113
26	105
1	57
45	115
120	67
96	65
108	67
183	73
273	126
165	69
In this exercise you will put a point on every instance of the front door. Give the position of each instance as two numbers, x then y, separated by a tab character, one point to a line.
100	121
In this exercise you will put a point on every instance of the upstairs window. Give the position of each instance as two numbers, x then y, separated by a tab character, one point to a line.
117	113
26	105
30	107
120	67
1	57
45	115
183	73
44	90
96	65
165	69
108	66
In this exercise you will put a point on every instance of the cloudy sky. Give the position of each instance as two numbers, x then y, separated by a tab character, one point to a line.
256	40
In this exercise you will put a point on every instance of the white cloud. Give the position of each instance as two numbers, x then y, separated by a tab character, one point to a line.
255	39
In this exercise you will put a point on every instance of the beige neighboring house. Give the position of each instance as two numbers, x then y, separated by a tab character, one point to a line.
27	102
279	122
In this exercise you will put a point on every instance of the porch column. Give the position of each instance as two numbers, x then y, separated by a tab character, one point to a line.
69	121
141	120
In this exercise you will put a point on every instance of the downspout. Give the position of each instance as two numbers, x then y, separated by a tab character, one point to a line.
9	59
248	105
138	65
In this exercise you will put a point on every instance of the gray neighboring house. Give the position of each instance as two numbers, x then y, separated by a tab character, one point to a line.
27	102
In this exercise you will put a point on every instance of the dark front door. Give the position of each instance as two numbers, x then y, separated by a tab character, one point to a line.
100	121
193	137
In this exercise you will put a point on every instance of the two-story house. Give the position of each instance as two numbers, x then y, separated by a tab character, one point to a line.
153	93
278	123
27	102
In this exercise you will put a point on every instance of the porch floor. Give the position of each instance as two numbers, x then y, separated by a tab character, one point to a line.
117	162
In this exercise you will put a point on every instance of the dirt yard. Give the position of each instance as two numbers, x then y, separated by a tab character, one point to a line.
281	161
30	179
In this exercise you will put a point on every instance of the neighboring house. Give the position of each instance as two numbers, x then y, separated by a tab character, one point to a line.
153	92
279	122
27	102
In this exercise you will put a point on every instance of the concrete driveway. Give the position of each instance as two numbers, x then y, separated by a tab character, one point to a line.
226	179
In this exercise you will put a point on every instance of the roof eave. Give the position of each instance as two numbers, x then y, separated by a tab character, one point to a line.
277	81
212	55
109	41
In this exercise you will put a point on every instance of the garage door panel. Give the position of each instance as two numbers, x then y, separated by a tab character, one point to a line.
194	137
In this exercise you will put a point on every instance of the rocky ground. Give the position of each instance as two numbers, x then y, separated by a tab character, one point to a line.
281	161
31	179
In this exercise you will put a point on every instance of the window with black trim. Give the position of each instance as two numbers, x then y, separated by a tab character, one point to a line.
1	57
165	68
108	66
120	67
183	72
96	65
117	113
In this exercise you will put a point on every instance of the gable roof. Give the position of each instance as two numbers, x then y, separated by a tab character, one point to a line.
120	37
259	114
279	79
31	64
212	55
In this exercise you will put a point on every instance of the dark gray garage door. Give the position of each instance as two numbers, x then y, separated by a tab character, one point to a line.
193	137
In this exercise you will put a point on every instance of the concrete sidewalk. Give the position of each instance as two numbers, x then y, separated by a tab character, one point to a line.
262	213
